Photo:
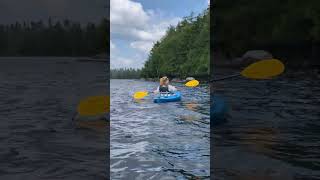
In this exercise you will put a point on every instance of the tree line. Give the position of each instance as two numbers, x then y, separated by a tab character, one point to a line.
183	51
289	29
59	38
125	73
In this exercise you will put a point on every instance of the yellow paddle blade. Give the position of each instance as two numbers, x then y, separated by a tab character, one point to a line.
140	95
263	69
94	105
192	83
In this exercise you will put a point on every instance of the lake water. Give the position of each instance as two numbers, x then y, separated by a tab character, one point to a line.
38	138
159	141
272	131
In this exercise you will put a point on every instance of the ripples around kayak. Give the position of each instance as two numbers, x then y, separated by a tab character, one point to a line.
272	131
159	141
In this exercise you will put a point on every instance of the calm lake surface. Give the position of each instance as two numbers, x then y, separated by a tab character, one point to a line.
273	128
38	139
159	141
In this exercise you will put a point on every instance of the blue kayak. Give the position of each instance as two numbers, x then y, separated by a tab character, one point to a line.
167	97
218	110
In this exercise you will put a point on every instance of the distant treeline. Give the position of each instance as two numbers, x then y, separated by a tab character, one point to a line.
124	73
183	51
59	38
289	29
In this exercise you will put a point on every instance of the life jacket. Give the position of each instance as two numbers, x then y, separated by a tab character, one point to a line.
163	88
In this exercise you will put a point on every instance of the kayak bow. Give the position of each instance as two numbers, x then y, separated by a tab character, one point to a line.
167	97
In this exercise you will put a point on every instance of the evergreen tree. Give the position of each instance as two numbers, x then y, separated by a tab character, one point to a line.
183	51
60	38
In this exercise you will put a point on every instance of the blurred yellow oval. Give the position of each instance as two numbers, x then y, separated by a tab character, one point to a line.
94	105
192	83
140	95
264	69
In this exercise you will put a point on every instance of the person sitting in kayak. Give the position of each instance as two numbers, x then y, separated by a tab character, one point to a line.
164	86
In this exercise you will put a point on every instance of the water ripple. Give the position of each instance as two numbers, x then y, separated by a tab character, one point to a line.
159	141
273	126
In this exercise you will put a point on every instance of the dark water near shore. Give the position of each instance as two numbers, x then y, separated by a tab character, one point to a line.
38	139
159	141
273	128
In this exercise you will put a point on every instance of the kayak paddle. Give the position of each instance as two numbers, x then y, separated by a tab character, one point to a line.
192	83
142	94
263	69
94	105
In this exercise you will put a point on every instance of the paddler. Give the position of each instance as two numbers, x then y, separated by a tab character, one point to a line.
164	86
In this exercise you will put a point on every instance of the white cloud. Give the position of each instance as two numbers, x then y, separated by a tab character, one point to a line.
127	13
130	21
125	62
121	62
120	59
112	46
139	28
143	39
143	46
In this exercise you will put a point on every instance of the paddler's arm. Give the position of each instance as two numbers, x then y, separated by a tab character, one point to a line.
156	91
172	88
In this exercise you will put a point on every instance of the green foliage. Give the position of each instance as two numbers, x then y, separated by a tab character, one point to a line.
183	51
285	28
64	38
124	73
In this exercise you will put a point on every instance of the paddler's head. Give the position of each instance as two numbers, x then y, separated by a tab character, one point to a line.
164	81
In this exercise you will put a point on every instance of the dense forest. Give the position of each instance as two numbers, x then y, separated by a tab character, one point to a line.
59	38
288	29
183	51
124	73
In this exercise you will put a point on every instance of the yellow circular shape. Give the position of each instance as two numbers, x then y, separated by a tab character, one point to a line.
192	83
140	95
94	105
264	69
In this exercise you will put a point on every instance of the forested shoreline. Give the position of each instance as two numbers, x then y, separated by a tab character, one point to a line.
289	30
54	38
125	73
183	51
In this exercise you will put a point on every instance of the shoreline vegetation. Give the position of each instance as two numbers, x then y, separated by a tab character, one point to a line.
184	50
131	73
288	30
96	57
125	73
54	38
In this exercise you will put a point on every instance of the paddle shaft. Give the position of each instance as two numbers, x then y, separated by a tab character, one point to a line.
262	69
226	77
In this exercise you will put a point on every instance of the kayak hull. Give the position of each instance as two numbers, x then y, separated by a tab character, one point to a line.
164	98
218	110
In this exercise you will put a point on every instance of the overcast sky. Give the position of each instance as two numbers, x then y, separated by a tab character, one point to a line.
77	10
137	24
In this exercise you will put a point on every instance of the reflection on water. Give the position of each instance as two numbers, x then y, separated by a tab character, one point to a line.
272	131
159	141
